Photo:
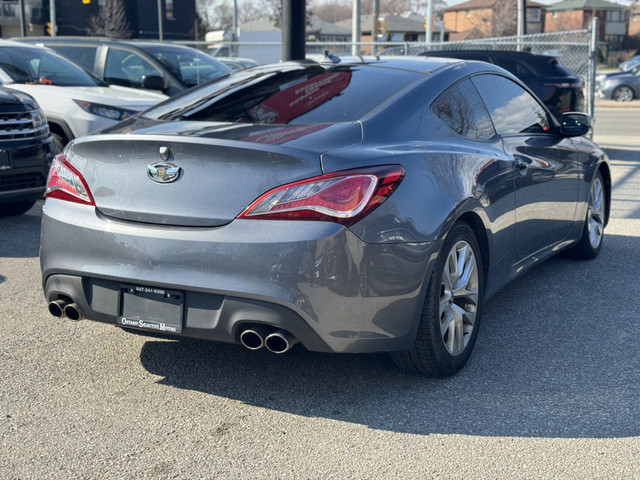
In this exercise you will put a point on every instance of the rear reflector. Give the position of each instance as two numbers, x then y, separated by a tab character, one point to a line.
66	183
343	197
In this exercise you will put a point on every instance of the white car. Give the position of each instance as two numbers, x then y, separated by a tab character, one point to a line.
74	101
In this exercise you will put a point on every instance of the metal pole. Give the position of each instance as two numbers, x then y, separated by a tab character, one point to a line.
52	17
293	29
23	26
374	25
522	21
160	33
593	63
234	35
429	20
355	28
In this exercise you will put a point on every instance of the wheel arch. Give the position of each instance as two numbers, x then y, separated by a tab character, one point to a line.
474	221
606	178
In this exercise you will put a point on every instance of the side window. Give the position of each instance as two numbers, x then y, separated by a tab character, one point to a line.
461	109
127	68
82	55
512	109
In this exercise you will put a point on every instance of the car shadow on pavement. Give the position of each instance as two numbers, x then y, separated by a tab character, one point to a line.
557	357
20	234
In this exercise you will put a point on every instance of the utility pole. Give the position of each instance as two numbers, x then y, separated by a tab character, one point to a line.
522	21
429	20
160	33
234	35
374	25
355	28
293	29
23	25
52	17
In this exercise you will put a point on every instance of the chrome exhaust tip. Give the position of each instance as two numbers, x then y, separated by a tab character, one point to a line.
72	312
253	338
56	308
280	341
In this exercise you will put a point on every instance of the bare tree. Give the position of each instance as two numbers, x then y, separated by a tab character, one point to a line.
500	21
112	20
216	14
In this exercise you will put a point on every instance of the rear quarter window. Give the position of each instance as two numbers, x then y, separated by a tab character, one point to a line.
461	109
82	55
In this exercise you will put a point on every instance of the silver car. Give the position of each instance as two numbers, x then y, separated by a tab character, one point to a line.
622	86
349	207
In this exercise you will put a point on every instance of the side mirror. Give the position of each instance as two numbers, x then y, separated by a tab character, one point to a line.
575	124
154	82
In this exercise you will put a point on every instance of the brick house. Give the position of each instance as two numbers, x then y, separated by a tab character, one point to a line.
486	18
577	14
634	26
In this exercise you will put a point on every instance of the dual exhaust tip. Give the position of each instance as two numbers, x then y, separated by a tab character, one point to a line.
279	341
61	308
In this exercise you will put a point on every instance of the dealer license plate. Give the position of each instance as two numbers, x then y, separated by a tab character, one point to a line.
150	308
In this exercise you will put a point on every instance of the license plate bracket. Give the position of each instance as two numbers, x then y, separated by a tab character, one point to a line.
150	308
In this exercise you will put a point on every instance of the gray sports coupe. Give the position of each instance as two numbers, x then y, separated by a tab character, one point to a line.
350	207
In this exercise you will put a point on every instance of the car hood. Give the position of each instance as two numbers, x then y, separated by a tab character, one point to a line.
113	96
11	100
616	75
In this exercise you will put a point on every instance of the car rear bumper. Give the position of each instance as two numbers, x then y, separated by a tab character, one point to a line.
317	280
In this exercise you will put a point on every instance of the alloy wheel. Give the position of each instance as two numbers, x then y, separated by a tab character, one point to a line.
458	297
623	94
595	223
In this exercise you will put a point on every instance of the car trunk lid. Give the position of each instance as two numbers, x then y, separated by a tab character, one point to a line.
222	167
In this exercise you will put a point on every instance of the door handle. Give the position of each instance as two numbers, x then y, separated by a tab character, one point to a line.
521	164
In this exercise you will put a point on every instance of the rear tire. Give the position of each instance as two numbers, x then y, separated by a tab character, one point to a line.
16	208
450	317
590	242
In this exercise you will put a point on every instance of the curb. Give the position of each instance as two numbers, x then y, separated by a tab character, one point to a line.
614	104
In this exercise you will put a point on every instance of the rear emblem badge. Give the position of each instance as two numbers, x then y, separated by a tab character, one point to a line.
163	172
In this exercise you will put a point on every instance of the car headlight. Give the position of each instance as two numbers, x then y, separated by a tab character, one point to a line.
39	121
106	111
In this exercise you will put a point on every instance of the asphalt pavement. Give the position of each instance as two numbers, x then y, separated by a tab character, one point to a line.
551	390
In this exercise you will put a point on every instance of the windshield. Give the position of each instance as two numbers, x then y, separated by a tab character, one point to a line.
299	95
31	65
190	66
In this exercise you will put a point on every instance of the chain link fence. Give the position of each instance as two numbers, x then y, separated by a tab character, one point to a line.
574	49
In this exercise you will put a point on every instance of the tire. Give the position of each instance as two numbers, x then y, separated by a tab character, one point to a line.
15	208
622	94
590	242
58	142
439	351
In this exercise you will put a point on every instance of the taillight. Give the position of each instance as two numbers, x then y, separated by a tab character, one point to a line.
343	197
66	183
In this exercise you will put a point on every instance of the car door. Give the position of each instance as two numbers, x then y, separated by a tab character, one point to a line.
546	166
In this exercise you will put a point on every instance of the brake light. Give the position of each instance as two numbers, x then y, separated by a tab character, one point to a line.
66	183
343	197
564	85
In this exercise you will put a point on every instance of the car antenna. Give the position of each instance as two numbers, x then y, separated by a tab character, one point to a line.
330	59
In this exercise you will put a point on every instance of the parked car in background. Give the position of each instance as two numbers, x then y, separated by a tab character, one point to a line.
351	207
559	89
620	86
26	151
164	67
74	101
630	64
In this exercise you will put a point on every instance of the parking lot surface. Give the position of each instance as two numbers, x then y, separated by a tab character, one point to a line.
551	390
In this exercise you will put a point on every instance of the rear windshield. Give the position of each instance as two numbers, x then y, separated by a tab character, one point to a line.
290	95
